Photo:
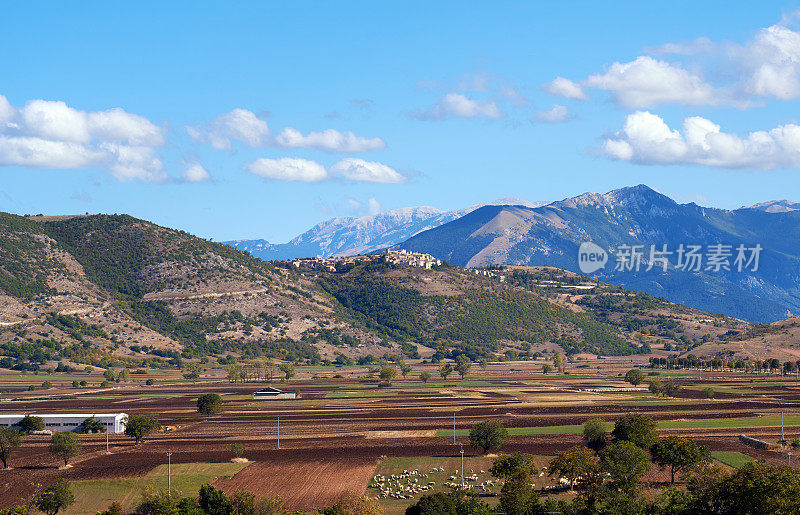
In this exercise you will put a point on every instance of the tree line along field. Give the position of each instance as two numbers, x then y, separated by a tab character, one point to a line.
349	428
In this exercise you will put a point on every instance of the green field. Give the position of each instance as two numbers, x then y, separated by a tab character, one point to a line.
96	495
370	393
733	459
712	423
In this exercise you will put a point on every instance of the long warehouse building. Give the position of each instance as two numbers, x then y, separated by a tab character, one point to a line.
114	422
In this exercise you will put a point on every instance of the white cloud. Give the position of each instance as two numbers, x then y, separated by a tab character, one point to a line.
243	125
373	206
195	172
701	45
556	114
766	66
457	105
366	171
647	81
239	124
116	124
330	139
562	87
54	120
773	60
647	139
7	112
50	134
288	169
514	96
303	170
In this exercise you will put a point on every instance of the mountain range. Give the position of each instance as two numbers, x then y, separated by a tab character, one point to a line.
639	216
348	236
516	232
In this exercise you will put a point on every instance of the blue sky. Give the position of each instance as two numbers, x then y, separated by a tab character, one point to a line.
211	119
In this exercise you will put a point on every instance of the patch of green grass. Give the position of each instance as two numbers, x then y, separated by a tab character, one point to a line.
97	494
743	422
733	459
349	395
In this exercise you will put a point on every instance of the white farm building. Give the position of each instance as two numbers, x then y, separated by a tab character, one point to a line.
114	422
274	393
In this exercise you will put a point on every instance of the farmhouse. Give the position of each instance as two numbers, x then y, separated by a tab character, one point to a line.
114	422
274	393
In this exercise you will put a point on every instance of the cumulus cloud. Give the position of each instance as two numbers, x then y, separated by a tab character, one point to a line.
330	140
244	126
647	81
195	172
237	125
366	171
556	114
456	105
647	139
562	87
288	169
50	134
303	170
742	74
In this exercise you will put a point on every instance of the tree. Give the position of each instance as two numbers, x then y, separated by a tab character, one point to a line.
110	375
463	364
46	385
634	376
138	426
9	441
30	423
488	435
214	501
92	425
635	428
680	454
594	434
670	389
237	449
192	371
558	362
445	369
517	494
287	369
425	376
625	462
232	371
124	375
753	489
209	404
55	498
405	368
65	444
387	374
577	462
656	388
546	368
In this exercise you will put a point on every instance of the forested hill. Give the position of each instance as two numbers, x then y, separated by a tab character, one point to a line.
111	289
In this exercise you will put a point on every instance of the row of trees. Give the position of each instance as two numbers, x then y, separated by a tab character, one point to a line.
692	362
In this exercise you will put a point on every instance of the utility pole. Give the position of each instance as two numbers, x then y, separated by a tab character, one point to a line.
462	467
279	431
169	472
782	428
106	441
